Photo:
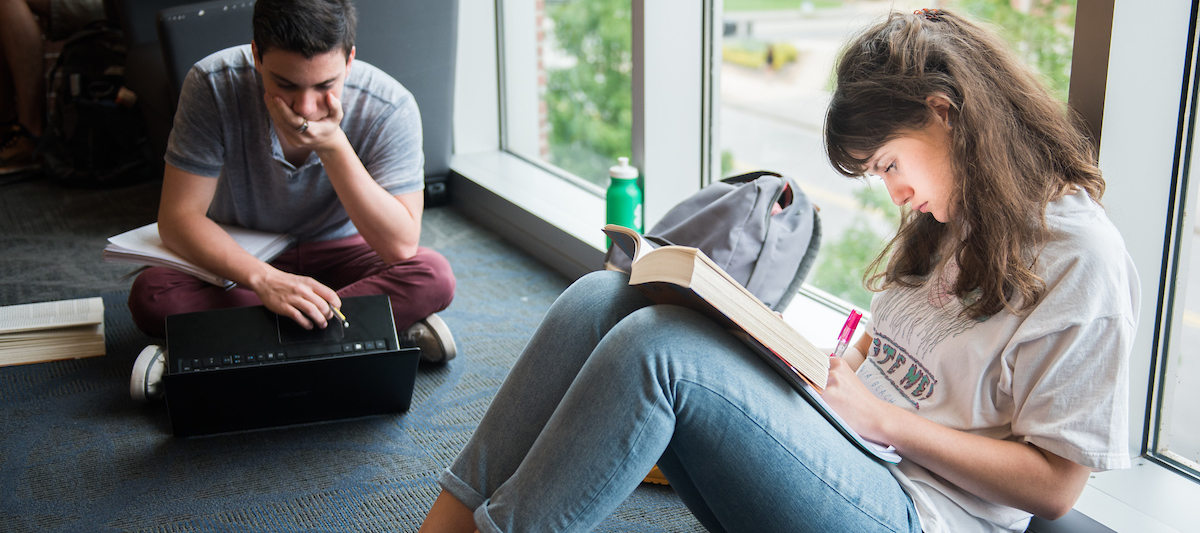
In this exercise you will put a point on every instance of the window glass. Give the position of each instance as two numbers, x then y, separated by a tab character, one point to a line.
568	93
1177	436
775	82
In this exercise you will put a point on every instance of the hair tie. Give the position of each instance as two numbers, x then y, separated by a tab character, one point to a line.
932	15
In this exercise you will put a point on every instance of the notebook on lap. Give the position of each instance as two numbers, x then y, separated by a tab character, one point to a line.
248	368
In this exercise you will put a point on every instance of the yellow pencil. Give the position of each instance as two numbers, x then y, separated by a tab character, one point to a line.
338	312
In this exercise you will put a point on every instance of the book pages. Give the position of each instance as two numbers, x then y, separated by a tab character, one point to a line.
47	315
48	331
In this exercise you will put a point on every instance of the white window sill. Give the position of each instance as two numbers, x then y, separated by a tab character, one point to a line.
560	223
553	220
1147	498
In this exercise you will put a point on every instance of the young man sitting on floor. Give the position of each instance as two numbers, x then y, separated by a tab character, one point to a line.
291	135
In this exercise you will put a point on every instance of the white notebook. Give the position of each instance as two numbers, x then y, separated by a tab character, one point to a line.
143	246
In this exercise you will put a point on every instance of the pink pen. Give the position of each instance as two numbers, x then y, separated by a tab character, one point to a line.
847	332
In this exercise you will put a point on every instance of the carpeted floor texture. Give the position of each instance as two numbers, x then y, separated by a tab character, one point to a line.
76	454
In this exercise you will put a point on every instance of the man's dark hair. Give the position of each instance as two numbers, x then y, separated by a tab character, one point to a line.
307	27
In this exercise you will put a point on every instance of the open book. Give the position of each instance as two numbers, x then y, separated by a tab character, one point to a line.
48	331
683	275
143	246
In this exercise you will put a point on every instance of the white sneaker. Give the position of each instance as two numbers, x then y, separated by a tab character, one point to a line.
433	337
146	382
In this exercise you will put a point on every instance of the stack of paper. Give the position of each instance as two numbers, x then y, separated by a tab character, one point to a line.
143	246
48	331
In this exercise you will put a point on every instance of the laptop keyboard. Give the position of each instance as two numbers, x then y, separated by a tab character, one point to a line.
193	364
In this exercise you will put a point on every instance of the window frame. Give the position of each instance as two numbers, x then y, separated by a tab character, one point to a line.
1141	155
1178	254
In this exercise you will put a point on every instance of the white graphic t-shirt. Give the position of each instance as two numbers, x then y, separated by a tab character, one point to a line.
1056	377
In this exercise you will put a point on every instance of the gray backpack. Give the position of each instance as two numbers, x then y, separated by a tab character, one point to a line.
731	222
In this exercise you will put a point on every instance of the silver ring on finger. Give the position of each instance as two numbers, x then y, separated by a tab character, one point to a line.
303	127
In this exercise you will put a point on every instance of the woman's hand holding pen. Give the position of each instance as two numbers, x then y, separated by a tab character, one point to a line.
847	394
300	298
849	397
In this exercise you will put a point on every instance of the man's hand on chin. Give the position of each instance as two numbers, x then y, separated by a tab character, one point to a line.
297	131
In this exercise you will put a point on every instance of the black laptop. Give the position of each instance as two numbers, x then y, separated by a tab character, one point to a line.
248	368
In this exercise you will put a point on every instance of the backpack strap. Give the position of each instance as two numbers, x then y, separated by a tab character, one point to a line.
750	176
658	240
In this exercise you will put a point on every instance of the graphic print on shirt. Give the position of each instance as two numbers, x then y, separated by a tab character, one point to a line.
911	379
911	316
908	315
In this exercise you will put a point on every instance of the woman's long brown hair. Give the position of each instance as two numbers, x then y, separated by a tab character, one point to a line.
1014	149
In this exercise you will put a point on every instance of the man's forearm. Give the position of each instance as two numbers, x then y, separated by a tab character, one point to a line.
204	243
391	227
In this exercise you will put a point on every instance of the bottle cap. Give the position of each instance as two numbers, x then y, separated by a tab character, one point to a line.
623	170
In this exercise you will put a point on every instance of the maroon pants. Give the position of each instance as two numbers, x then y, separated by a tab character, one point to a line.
417	287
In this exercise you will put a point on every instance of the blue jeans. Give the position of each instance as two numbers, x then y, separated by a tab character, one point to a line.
611	384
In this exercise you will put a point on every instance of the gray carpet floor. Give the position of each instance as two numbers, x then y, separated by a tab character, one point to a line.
76	454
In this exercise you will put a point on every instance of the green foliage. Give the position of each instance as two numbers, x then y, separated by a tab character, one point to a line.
726	162
1044	37
876	198
589	105
843	262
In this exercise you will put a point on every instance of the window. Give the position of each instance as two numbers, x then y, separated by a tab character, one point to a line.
503	144
777	71
584	82
1140	154
1175	437
567	85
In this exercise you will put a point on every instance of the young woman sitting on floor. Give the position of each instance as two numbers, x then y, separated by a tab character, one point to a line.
995	359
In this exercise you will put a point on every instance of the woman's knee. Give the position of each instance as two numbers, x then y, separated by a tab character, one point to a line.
665	324
603	295
675	341
656	334
601	284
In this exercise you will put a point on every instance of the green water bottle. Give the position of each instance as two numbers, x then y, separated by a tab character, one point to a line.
624	198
